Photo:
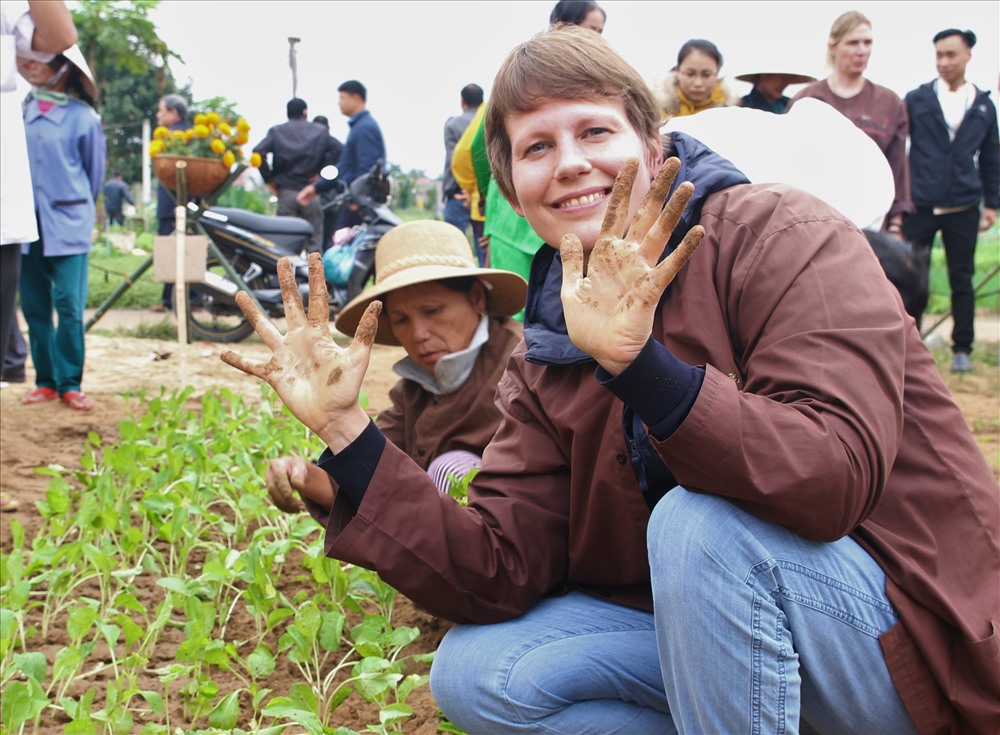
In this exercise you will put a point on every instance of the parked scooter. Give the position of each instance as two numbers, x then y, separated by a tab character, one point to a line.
252	244
350	264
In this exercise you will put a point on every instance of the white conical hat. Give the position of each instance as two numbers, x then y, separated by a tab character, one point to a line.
75	57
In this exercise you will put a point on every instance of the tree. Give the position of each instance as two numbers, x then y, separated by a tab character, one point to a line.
405	186
130	65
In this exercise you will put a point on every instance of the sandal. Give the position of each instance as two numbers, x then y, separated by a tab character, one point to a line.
77	401
39	395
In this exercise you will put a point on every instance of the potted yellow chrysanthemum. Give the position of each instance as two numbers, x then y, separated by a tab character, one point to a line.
210	148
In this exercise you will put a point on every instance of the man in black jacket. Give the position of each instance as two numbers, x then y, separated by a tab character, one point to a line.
954	167
298	150
116	193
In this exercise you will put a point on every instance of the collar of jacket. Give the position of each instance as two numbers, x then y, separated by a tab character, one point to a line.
357	116
929	93
544	323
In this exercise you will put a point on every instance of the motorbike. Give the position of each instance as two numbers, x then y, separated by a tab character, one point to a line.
252	243
350	264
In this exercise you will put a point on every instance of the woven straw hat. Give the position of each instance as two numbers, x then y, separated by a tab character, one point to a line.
425	251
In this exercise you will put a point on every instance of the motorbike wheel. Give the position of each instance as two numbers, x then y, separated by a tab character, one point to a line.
213	315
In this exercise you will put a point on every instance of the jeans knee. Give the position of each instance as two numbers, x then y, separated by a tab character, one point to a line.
460	681
679	516
446	676
687	533
485	681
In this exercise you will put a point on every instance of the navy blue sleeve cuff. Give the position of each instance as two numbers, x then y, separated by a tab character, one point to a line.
354	467
657	386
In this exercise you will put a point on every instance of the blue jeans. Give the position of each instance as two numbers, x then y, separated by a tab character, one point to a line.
756	630
458	214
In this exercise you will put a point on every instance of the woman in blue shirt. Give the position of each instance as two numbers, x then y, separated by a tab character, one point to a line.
66	150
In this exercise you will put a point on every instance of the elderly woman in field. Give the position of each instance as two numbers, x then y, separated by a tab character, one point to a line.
711	505
452	318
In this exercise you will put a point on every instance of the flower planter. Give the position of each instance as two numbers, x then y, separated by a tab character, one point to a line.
204	175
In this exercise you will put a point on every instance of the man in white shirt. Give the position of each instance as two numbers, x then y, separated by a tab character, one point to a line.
954	169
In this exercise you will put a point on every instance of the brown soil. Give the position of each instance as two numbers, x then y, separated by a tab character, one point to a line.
51	433
35	436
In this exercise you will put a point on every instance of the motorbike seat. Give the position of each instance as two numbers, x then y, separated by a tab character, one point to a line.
265	224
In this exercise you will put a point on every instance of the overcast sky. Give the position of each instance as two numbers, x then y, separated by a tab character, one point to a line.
415	57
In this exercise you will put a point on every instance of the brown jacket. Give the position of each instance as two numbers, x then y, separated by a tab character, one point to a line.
821	410
425	425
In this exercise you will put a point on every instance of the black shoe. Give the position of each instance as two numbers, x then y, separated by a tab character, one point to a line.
14	377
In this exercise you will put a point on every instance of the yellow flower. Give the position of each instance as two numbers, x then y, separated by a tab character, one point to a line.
210	136
255	159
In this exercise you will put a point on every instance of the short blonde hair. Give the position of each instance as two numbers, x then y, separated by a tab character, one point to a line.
569	63
841	27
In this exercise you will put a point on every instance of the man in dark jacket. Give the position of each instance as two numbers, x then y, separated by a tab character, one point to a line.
363	147
298	150
115	195
954	167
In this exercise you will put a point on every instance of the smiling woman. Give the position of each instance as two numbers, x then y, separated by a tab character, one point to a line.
664	427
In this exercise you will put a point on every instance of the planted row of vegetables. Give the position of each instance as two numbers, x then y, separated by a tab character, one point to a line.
164	593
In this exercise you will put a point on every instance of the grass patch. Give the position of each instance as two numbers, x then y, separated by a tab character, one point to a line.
109	269
414	213
164	330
